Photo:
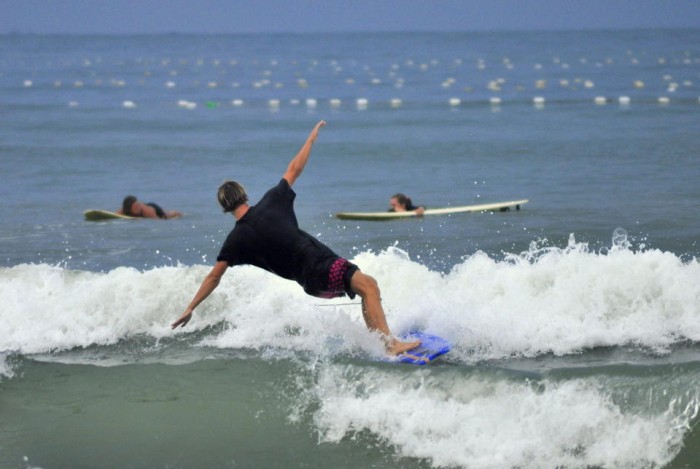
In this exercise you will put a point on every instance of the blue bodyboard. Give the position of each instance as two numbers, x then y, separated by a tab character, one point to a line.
431	347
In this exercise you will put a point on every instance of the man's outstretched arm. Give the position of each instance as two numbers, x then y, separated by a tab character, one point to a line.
296	166
211	281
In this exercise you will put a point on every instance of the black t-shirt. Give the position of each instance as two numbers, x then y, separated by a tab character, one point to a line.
268	236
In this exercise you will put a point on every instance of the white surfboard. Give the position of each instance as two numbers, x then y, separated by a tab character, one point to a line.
381	216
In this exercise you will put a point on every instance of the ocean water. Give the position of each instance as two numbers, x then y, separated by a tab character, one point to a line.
575	321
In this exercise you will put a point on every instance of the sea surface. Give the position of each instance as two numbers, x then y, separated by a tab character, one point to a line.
575	321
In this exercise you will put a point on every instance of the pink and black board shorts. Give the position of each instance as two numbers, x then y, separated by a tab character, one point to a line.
333	279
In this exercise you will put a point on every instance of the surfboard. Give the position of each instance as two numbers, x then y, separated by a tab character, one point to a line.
102	215
383	216
431	348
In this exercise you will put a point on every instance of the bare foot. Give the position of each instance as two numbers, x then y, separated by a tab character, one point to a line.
395	347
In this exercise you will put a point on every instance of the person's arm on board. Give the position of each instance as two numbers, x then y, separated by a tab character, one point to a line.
296	166
209	284
170	214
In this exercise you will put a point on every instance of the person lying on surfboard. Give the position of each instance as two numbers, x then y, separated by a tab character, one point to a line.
132	207
267	235
401	203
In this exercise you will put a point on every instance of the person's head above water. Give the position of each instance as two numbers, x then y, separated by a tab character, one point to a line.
231	195
400	202
127	205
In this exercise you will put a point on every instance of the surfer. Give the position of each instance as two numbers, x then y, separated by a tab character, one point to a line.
267	235
132	207
401	203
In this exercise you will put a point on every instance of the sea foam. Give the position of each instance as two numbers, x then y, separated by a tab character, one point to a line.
478	420
545	300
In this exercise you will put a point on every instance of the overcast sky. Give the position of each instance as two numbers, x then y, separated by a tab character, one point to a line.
246	16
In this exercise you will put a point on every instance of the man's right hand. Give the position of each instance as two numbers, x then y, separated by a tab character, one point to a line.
183	319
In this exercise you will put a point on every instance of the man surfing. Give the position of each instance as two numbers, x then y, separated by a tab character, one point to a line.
267	235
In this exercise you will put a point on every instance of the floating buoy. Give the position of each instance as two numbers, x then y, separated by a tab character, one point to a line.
183	103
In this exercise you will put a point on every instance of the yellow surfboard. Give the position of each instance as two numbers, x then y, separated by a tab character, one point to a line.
103	215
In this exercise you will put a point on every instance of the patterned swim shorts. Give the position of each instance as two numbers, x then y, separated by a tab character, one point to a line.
338	281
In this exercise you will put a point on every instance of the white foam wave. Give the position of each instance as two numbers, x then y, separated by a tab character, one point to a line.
546	300
6	369
474	421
